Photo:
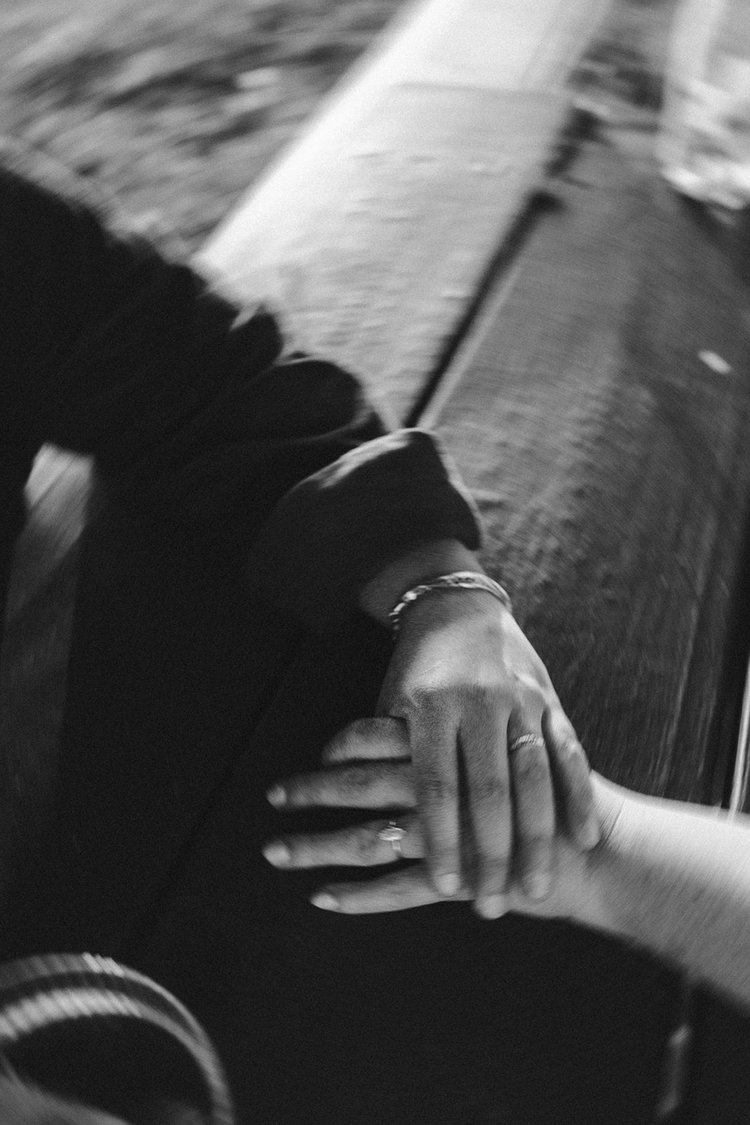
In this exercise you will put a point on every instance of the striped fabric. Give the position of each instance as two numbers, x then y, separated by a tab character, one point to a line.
57	1004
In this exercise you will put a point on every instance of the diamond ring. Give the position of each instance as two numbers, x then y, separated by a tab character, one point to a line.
393	834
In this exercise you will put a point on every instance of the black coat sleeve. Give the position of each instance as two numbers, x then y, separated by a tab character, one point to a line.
190	404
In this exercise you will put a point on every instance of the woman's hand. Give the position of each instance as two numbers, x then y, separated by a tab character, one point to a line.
378	785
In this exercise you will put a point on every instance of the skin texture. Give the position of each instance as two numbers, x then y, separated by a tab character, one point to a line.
464	683
356	774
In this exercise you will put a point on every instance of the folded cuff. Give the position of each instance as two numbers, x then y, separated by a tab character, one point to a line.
335	530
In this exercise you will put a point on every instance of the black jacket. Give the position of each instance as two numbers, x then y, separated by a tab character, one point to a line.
276	460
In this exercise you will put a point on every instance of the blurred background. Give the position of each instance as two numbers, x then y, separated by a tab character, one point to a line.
175	106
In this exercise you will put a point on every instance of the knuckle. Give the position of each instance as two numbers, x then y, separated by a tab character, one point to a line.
560	727
563	734
482	693
429	702
569	750
530	704
529	690
573	766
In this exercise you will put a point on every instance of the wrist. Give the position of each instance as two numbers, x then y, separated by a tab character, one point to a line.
607	907
452	584
586	883
593	905
415	567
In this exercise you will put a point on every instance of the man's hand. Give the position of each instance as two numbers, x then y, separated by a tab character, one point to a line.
490	743
496	758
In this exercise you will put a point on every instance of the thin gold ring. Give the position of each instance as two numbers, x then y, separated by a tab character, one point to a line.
526	740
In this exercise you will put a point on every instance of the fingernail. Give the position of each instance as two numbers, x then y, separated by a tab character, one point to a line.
277	853
276	795
493	907
325	901
448	884
538	885
590	834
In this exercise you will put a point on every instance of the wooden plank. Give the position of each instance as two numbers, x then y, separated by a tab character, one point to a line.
374	233
600	415
601	422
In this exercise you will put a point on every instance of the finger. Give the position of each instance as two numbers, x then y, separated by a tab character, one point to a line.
399	890
533	802
358	846
572	777
434	753
367	739
365	785
483	736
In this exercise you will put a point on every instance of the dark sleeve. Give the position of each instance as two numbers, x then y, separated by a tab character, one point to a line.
279	463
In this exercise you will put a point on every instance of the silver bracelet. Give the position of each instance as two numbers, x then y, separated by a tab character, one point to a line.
458	580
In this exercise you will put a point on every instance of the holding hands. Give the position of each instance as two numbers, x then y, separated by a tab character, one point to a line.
380	841
472	747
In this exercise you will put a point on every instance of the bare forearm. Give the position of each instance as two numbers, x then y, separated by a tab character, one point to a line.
675	879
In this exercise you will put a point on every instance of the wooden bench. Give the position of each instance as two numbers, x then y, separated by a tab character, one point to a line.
556	316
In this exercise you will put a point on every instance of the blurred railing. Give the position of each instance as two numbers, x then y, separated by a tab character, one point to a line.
376	231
